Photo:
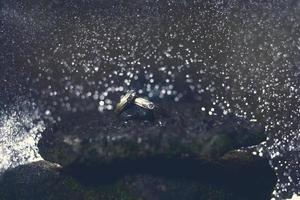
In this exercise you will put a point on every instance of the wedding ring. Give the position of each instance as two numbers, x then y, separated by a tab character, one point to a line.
144	103
125	101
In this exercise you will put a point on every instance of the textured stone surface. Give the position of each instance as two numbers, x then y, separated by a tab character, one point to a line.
44	181
229	177
180	132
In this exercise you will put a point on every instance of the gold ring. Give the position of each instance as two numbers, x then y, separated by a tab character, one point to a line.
125	101
130	97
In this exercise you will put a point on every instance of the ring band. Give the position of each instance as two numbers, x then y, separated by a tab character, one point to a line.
125	101
144	103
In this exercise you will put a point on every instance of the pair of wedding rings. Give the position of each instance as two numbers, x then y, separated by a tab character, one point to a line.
131	98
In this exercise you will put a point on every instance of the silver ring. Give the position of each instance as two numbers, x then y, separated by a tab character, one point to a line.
144	103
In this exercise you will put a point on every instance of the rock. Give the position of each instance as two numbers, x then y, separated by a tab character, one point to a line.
237	175
93	138
44	181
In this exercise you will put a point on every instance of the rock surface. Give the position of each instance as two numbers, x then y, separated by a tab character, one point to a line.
177	152
183	131
44	181
237	175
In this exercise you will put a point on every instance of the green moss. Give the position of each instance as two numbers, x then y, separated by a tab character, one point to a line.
217	146
114	192
108	192
213	193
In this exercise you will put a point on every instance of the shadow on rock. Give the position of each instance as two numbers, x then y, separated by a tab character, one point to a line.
237	175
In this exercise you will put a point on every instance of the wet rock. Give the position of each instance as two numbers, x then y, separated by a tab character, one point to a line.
44	181
181	131
237	175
